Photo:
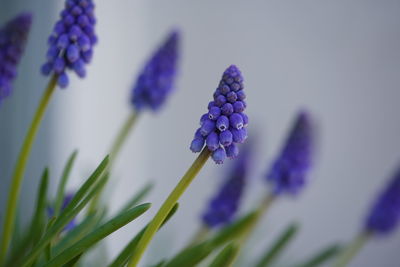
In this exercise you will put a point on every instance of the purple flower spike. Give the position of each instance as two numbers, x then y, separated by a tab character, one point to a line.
157	79
13	37
224	205
224	124
289	172
385	213
72	41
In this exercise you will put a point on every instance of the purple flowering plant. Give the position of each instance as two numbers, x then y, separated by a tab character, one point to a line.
64	228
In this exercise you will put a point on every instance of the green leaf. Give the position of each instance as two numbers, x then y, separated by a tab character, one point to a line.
39	217
226	257
138	196
194	254
76	233
71	210
126	253
64	178
97	234
278	246
322	257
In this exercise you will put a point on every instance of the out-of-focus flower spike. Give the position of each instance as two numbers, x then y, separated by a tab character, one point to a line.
157	79
225	123
288	174
13	37
384	215
72	41
224	205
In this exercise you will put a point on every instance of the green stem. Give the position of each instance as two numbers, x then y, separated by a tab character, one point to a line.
20	167
122	135
200	235
115	149
352	249
168	205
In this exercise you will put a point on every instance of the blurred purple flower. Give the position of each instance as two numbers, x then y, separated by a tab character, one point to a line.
225	204
13	37
67	199
156	81
225	124
385	213
289	172
72	41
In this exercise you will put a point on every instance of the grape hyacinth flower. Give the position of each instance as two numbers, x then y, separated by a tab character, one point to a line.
13	37
223	207
225	124
385	213
67	199
156	80
71	44
289	172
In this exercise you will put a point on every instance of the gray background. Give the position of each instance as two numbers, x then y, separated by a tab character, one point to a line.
339	59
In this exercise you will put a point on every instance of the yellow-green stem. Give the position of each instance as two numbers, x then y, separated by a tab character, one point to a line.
122	135
115	149
20	167
168	205
200	235
352	249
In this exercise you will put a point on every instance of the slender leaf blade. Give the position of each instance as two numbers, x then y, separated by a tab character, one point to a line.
322	257
226	257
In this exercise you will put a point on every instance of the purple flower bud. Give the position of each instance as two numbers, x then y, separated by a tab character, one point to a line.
241	95
384	215
221	117
219	155
220	100
212	141
198	134
67	199
73	53
197	144
224	89
214	113
63	80
59	65
69	42
236	121
288	173
232	151
238	106
231	97
222	123
223	207
13	37
158	76
226	138
207	127
227	109
239	135
74	33
203	118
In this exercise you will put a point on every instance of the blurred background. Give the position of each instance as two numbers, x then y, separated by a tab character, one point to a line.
338	59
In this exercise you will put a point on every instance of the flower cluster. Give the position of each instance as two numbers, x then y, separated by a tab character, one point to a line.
225	123
13	38
156	80
72	41
385	213
223	207
289	172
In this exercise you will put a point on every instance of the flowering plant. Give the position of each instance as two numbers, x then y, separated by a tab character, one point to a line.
57	236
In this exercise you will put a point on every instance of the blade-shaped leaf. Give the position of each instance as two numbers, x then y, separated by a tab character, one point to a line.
226	257
278	246
70	211
97	234
63	182
194	254
322	257
126	253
